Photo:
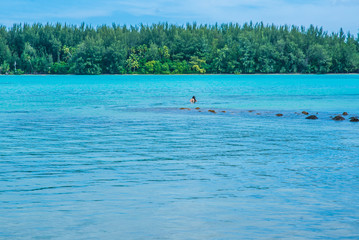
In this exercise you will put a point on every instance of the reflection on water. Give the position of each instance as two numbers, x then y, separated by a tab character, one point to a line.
113	157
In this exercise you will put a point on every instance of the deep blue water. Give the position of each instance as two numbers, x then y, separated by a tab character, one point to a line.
114	157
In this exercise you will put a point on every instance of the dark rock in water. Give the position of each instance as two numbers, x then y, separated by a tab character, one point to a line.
223	111
185	109
312	117
338	118
279	115
354	119
305	113
345	114
197	108
250	110
212	111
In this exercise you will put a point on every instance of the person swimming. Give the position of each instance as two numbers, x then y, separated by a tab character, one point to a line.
193	99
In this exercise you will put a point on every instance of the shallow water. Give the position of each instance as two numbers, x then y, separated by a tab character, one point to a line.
114	157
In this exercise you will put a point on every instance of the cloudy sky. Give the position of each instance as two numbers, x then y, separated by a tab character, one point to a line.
331	14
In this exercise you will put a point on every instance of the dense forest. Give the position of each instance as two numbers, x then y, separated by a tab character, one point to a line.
172	49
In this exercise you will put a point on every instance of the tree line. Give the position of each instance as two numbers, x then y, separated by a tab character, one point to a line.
172	49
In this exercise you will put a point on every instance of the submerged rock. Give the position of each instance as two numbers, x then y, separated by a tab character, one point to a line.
279	115
258	113
185	109
345	114
250	110
212	111
197	108
223	111
338	118
312	117
305	113
354	119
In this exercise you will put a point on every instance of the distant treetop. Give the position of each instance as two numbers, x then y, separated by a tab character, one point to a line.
170	49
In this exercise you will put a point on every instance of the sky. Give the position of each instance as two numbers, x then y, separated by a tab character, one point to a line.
329	14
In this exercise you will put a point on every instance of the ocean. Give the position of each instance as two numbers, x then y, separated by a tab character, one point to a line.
129	157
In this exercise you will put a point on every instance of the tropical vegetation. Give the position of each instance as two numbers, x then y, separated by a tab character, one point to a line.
172	49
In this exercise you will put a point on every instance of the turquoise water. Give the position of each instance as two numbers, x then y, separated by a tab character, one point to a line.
114	157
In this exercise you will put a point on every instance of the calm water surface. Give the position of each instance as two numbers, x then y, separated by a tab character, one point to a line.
114	157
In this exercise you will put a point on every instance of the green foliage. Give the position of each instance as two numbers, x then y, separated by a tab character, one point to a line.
197	64
87	58
170	49
60	68
132	62
5	54
43	64
153	52
153	67
18	71
114	59
178	67
318	59
4	68
27	57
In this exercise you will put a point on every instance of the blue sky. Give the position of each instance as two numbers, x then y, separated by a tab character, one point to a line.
331	14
